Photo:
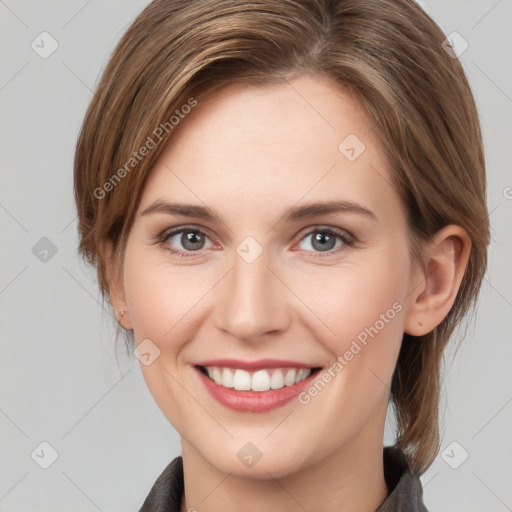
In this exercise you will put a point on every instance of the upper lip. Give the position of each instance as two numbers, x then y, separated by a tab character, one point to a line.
255	365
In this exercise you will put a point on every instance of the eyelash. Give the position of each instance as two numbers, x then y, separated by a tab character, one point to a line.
347	239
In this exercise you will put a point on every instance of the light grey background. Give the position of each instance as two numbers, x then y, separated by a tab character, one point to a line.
60	381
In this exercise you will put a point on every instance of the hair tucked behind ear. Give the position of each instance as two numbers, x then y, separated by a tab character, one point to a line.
387	52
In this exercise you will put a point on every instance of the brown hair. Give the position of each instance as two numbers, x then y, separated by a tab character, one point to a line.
388	52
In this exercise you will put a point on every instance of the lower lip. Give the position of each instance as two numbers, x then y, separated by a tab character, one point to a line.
255	401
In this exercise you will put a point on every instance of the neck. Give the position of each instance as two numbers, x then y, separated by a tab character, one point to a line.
349	479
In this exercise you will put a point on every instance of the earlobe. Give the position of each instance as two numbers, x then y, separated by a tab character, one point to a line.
115	286
434	287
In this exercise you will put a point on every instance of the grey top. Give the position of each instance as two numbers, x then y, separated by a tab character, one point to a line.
406	491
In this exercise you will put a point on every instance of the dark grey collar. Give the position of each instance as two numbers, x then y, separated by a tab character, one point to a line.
406	492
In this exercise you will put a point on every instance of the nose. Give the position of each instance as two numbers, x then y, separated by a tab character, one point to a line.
252	301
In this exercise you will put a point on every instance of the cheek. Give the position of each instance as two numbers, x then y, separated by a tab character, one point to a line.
361	309
362	327
158	295
159	300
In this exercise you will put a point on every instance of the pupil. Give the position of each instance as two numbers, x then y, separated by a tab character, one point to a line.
324	240
190	240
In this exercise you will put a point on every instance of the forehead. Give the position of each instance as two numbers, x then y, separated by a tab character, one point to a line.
242	147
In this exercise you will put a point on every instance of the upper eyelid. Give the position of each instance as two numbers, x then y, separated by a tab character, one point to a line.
174	231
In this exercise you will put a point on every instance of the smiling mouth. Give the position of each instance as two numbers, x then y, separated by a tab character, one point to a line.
259	380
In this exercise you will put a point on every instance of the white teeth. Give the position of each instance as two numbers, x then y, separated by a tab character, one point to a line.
260	380
217	375
227	378
302	374
242	380
277	380
289	378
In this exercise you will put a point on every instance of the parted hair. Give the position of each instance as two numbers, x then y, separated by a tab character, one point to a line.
389	53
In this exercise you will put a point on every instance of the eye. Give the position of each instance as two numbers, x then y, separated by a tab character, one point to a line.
326	240
190	239
185	241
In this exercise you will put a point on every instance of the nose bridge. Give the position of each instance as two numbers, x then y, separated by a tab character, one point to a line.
251	301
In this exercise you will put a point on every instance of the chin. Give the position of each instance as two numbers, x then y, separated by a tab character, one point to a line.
259	459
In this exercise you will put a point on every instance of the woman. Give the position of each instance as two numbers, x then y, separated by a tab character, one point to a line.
285	201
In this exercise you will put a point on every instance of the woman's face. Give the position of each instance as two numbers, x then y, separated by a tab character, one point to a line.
268	279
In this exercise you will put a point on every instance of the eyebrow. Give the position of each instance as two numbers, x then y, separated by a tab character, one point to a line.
292	214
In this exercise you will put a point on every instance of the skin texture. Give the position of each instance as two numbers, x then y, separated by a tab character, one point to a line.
250	154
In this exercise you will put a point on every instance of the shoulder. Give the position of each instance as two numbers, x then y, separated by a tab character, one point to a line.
405	489
166	493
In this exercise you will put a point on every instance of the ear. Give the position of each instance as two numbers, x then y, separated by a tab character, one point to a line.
435	283
115	285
